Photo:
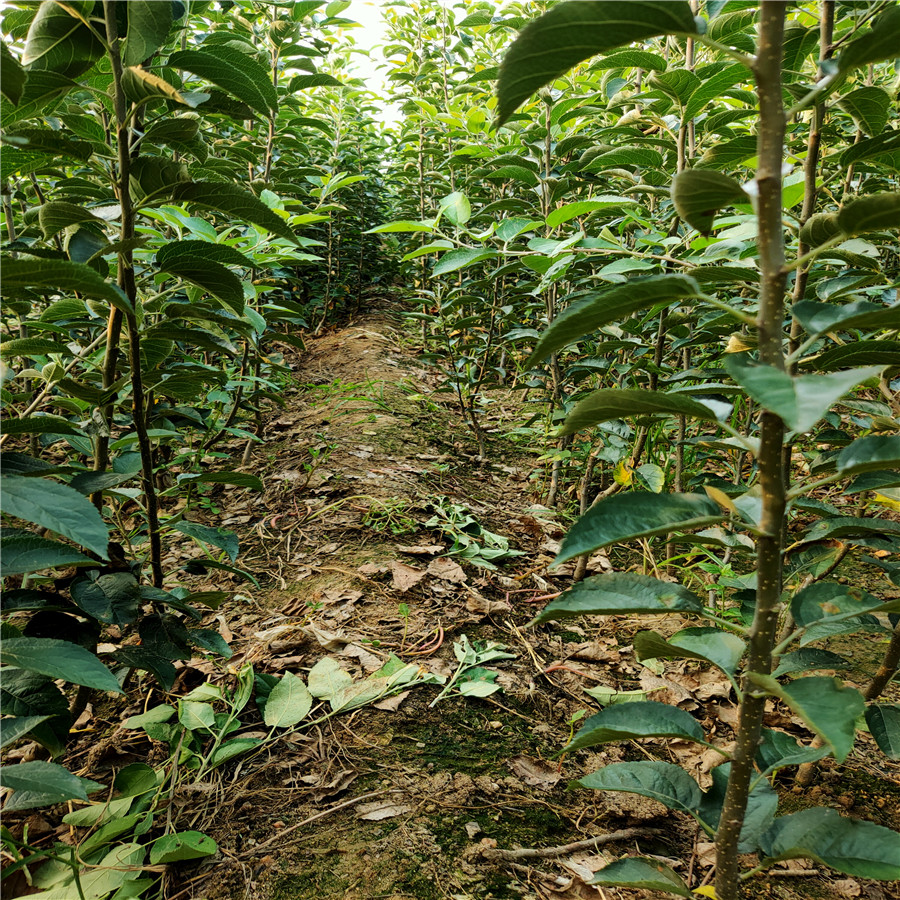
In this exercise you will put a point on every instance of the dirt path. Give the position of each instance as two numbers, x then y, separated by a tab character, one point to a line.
407	800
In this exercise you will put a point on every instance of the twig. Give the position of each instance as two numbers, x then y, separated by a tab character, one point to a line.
325	812
626	834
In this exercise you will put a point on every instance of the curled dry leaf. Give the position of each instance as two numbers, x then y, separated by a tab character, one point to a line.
475	603
421	549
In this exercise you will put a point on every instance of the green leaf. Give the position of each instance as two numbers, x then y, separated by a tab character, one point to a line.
810	659
585	207
818	318
403	227
875	212
851	846
42	93
60	42
32	347
135	780
827	706
868	106
642	874
149	22
234	71
830	600
45	783
721	648
880	149
38	425
872	452
182	845
883	720
629	721
762	804
728	154
778	750
878	43
219	537
239	479
678	84
13	729
59	659
231	749
621	593
711	88
154	716
209	275
319	79
289	702
460	258
57	507
456	208
819	229
626	517
327	680
800	401
58	214
631	59
601	406
113	598
52	276
12	75
196	716
873	353
220	253
140	86
665	782
698	194
588	313
574	31
233	201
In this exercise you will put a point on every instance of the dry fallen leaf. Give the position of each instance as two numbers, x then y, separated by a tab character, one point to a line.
328	640
421	549
535	772
380	809
475	603
706	854
369	661
391	704
446	569
405	577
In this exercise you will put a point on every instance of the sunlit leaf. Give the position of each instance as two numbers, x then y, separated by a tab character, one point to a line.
574	31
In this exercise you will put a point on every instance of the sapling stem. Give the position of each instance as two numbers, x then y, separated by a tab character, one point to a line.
770	148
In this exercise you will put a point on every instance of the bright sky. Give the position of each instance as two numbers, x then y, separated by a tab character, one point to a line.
371	35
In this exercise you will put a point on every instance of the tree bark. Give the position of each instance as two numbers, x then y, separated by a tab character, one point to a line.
770	144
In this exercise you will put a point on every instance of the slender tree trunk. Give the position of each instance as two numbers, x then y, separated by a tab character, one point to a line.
126	281
770	145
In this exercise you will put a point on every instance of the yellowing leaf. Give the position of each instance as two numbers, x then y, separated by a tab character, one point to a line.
623	474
